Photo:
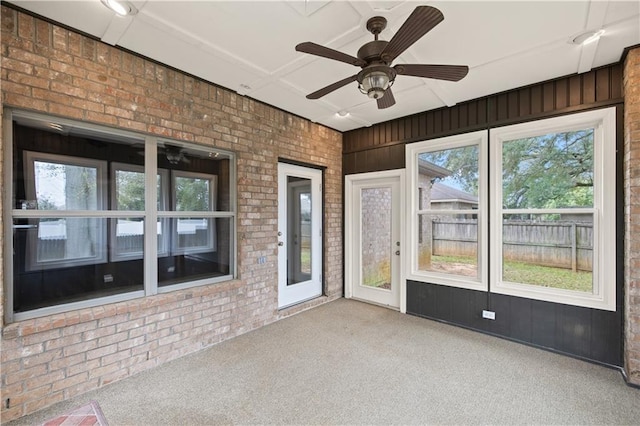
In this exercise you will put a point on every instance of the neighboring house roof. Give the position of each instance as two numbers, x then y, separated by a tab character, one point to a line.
433	170
441	193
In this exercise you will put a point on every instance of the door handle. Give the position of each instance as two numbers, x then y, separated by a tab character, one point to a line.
397	252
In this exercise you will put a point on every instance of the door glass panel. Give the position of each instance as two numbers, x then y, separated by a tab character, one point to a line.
299	235
376	237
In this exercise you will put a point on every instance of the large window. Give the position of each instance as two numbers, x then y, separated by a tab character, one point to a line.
101	215
448	210
553	216
552	204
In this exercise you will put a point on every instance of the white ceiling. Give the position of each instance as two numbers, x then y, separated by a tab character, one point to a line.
249	46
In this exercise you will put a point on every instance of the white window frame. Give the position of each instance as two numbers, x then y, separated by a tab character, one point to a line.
603	121
412	152
211	234
30	157
115	256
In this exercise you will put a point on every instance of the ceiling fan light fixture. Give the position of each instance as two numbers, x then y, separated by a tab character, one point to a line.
120	7
375	80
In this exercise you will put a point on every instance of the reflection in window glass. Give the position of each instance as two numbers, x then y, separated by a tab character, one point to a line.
65	259
194	259
65	187
60	241
192	194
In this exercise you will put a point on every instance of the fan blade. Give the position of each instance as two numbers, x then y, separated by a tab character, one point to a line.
387	100
439	72
330	88
421	21
325	52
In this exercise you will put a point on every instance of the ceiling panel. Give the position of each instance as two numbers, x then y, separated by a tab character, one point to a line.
249	46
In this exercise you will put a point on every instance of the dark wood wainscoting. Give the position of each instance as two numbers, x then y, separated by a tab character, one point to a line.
587	333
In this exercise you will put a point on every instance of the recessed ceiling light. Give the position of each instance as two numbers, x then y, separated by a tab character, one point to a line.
587	37
342	113
120	7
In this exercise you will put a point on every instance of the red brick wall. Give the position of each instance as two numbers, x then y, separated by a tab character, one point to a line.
50	69
632	214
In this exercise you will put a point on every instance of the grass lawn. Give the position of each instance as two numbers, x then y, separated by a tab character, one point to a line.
527	273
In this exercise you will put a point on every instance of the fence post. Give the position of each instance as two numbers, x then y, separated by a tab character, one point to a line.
574	247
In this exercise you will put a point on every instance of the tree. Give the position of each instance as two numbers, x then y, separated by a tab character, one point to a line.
461	162
130	190
192	194
549	171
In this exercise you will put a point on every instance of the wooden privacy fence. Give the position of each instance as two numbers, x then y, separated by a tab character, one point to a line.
560	244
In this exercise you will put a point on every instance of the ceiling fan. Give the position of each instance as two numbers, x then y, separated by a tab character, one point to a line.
174	154
375	58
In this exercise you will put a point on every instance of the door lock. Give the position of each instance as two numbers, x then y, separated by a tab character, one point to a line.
397	252
280	243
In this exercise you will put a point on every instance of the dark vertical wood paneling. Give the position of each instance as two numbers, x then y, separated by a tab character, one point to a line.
548	97
394	131
446	120
543	324
463	116
387	133
454	119
524	101
603	81
588	87
437	121
562	100
570	329
415	127
616	81
520	319
513	105
502	107
575	90
536	100
401	132
472	113
501	305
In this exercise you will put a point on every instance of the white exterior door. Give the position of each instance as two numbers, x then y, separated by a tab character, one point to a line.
299	234
373	246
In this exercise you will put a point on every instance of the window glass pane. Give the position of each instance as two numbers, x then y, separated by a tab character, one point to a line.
65	187
61	240
376	237
193	234
448	179
192	194
549	250
204	250
448	244
52	264
129	240
549	171
130	190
